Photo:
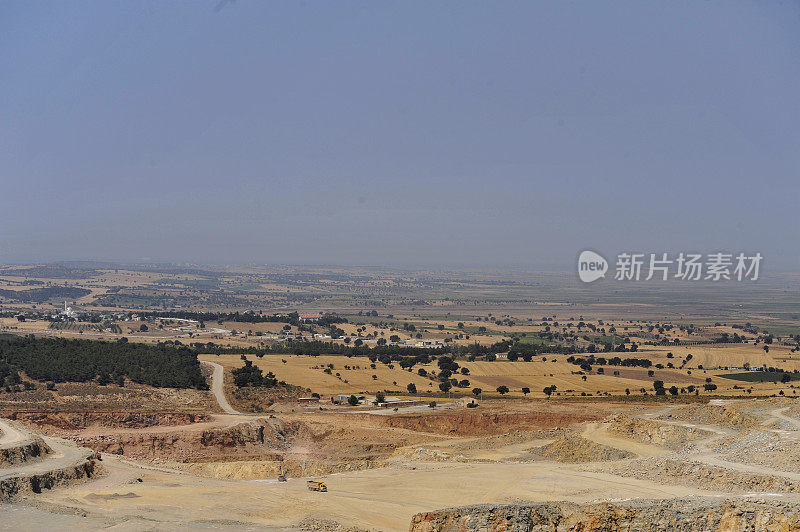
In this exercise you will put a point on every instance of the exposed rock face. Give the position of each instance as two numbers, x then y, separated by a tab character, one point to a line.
249	470
28	464
24	452
477	423
725	415
573	448
30	447
645	431
690	473
81	420
258	439
695	514
35	483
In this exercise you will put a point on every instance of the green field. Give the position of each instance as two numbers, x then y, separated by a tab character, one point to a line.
761	376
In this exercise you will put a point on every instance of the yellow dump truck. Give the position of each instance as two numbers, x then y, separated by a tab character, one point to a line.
313	485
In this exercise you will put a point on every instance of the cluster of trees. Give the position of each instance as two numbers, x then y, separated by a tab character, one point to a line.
735	338
63	360
250	316
526	351
448	370
658	387
40	295
317	347
250	375
587	363
608	348
410	362
9	375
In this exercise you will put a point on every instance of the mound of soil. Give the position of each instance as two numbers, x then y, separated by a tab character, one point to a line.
573	448
663	434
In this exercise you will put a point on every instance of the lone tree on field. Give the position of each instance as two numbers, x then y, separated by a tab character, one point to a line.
352	400
477	391
412	388
526	391
502	390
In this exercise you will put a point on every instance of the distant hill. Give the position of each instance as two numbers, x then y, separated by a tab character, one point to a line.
49	271
40	295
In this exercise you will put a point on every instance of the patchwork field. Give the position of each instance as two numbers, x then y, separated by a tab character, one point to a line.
356	375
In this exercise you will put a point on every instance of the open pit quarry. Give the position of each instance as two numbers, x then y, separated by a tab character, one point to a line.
532	465
30	463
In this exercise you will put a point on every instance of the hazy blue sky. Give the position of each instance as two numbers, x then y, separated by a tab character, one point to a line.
398	133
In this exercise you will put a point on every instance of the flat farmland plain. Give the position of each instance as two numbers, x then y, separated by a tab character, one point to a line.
355	375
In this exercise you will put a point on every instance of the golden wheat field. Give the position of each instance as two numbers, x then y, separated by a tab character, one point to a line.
356	374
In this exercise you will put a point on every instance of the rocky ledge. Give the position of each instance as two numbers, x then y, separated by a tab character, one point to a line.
674	515
31	448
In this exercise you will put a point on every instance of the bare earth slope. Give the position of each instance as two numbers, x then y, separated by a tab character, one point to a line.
699	515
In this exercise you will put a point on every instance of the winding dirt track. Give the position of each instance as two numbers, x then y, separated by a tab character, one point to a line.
65	454
9	434
598	433
218	387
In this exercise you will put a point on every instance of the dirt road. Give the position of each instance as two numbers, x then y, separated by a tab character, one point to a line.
65	454
218	387
598	433
9	434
